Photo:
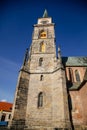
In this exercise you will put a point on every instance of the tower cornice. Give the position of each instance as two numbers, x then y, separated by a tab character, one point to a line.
39	25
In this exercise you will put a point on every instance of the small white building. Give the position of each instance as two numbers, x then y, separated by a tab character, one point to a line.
5	111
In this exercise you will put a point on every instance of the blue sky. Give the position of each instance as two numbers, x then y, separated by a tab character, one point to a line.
17	18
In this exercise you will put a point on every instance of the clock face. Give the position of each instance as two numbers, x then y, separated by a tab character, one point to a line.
44	22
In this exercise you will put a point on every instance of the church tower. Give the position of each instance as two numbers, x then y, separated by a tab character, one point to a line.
41	101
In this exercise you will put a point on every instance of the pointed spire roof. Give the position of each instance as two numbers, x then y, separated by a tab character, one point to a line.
45	15
59	50
59	54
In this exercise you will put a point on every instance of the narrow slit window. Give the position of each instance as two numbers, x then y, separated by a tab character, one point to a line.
41	78
40	99
40	61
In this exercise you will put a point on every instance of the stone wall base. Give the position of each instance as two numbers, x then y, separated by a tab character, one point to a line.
21	125
49	129
46	128
82	127
17	125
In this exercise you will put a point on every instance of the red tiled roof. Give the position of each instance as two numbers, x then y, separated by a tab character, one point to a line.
5	106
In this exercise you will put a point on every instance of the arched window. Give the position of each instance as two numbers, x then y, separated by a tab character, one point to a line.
3	117
71	74
40	99
9	116
43	34
42	47
40	61
41	77
77	76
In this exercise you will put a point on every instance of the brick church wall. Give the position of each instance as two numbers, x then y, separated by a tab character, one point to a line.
78	98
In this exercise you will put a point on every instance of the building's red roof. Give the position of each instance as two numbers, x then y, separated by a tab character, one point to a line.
5	106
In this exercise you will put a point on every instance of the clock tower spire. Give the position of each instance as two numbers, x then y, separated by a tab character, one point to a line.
41	101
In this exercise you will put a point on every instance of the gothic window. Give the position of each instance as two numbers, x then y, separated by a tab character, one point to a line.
43	34
77	76
41	77
42	47
70	74
40	99
40	61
